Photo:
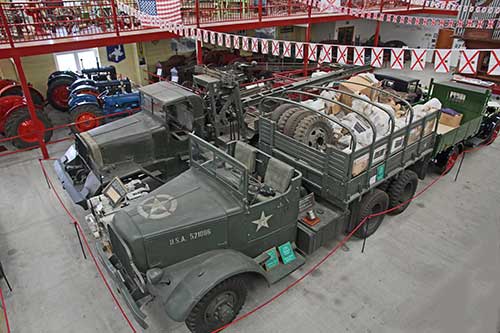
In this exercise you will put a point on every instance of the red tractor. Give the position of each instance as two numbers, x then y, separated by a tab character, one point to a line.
15	120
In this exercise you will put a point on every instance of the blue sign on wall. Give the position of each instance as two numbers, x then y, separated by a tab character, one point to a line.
116	53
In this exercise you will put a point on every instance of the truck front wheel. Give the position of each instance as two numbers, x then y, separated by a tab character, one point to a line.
218	307
401	190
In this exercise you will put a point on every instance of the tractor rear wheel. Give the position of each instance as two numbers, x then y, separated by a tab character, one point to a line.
86	117
372	203
19	123
219	306
58	93
17	90
401	190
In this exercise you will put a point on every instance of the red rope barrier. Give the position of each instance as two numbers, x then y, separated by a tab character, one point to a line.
4	308
343	241
87	246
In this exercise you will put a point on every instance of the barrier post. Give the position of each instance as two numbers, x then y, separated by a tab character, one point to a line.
31	106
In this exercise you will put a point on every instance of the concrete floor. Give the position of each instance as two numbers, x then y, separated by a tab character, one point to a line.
434	268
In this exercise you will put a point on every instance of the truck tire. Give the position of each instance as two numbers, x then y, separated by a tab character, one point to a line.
219	306
493	135
276	114
85	117
19	123
294	120
373	202
314	131
58	93
284	118
446	160
402	189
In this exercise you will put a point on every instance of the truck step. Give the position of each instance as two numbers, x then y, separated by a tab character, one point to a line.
279	272
474	142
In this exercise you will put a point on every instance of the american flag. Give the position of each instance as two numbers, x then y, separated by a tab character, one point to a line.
156	10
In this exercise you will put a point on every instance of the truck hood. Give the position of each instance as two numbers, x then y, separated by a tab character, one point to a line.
127	139
188	203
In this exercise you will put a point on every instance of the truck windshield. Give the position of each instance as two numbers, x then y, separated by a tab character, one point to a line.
220	165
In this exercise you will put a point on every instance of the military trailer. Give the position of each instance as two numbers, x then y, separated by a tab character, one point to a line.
478	123
152	144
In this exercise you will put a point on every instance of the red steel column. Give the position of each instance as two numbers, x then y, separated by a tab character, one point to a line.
260	10
115	17
308	36
199	50
31	106
377	29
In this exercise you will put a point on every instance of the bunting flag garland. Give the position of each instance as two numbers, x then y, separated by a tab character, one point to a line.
418	59
244	43
236	42
342	55
264	46
299	50
255	45
377	57
442	61
220	39
397	58
359	56
325	55
212	37
228	41
275	48
494	64
205	36
312	53
287	49
468	61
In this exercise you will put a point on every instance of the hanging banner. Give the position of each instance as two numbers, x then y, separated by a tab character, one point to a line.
228	41
244	43
325	55
468	61
442	61
312	53
397	58
418	60
236	42
275	48
377	57
205	36
264	46
220	39
359	56
342	55
494	64
116	53
299	50
212	38
287	49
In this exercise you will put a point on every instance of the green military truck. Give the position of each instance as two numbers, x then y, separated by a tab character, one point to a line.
479	123
245	212
152	146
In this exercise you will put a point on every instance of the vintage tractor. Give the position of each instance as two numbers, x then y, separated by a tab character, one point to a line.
89	111
59	82
15	121
92	87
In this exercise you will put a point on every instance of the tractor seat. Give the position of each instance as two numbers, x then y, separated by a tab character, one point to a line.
278	177
247	155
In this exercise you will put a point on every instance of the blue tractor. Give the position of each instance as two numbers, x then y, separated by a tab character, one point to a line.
89	111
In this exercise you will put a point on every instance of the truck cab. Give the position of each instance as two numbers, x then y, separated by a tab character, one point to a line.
192	241
151	145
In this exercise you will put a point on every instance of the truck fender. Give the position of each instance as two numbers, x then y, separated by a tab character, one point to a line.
217	266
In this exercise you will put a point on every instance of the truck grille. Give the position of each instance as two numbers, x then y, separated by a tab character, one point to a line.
122	253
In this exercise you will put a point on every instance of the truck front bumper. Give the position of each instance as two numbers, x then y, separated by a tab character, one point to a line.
138	315
78	194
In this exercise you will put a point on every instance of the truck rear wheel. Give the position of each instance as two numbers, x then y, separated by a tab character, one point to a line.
294	121
86	117
372	203
276	114
218	307
314	131
19	123
446	160
401	190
